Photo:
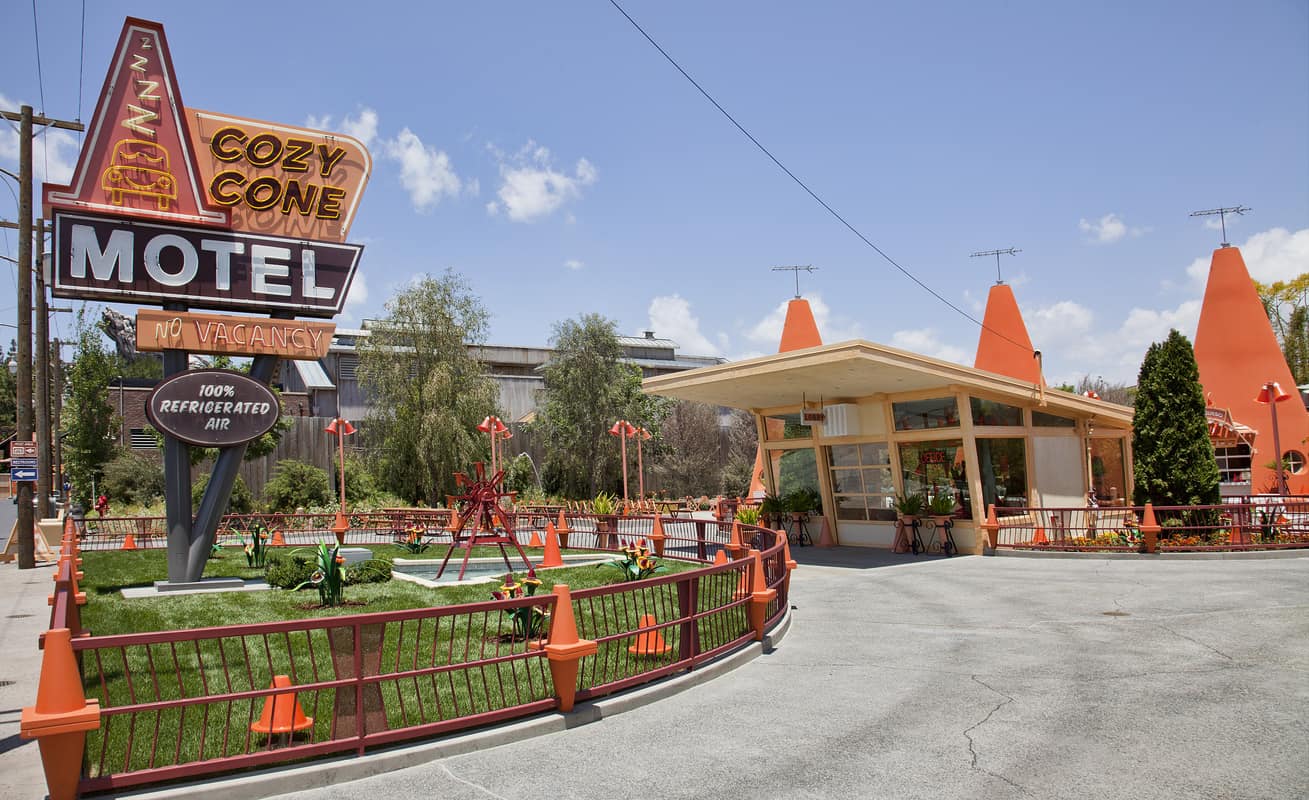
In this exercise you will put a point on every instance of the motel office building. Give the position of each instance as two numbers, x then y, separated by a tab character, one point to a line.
898	422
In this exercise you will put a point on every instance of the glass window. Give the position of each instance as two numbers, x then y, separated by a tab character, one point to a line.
993	412
917	415
932	467
781	427
795	469
1294	461
1233	463
861	481
1109	471
1003	467
1043	420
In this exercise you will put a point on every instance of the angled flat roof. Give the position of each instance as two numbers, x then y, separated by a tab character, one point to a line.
856	369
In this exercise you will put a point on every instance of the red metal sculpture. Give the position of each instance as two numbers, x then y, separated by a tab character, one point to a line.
480	505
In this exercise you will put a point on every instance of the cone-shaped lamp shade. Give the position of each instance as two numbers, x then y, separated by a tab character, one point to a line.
1271	392
331	428
623	428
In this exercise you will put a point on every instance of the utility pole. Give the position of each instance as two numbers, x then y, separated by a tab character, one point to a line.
42	380
25	528
1008	251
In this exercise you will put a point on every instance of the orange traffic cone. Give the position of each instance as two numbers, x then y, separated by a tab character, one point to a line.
535	541
282	712
720	557
649	643
1039	538
278	540
129	542
561	528
657	535
61	716
565	650
552	557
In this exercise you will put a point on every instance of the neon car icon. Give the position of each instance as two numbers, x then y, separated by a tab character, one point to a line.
141	168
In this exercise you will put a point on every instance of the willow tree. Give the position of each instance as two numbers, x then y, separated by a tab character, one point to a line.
427	392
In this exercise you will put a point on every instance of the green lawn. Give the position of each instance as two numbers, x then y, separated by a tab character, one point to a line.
435	669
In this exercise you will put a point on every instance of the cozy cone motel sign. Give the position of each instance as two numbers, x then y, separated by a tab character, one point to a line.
177	207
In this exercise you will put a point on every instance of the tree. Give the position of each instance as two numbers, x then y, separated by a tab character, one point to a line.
1287	305
428	393
1173	456
8	393
90	421
295	484
132	478
588	388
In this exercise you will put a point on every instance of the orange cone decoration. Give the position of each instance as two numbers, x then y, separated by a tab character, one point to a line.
720	557
535	541
282	712
278	539
824	534
735	544
1039	538
552	557
565	650
129	543
657	535
561	528
61	717
650	643
762	595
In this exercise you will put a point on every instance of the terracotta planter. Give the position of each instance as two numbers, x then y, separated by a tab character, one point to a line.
604	527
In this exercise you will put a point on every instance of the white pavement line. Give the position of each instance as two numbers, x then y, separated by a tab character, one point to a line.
476	786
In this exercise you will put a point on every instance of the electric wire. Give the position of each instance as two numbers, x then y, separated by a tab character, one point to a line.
805	186
40	79
81	71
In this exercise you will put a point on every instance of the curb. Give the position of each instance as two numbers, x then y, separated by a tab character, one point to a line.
1252	555
342	769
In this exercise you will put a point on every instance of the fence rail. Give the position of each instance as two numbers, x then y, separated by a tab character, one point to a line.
1266	523
188	703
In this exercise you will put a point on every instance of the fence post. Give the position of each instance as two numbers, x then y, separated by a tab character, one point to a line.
565	650
992	527
61	717
760	596
688	600
700	551
1150	529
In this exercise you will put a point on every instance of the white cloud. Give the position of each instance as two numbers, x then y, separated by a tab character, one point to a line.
358	294
51	147
425	171
362	126
926	341
1272	255
671	317
768	331
1108	229
575	265
531	187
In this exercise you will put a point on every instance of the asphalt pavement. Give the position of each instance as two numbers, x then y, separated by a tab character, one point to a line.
962	678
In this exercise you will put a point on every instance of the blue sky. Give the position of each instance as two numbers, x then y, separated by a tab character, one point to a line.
550	155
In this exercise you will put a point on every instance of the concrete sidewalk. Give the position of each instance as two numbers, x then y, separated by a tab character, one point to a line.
24	616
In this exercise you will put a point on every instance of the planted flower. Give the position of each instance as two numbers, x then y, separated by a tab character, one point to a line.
637	563
414	539
256	550
528	621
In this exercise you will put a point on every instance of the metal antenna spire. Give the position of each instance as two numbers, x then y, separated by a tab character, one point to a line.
1222	217
796	270
1008	251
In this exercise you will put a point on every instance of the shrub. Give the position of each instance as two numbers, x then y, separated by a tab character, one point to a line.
295	484
132	479
371	571
288	570
240	501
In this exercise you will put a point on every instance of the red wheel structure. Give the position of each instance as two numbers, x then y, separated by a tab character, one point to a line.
480	506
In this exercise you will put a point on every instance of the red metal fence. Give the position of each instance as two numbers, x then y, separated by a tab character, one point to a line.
188	703
1264	524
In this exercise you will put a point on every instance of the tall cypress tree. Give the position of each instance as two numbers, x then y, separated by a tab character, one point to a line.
1173	457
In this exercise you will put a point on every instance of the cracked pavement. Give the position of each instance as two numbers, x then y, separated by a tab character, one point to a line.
968	677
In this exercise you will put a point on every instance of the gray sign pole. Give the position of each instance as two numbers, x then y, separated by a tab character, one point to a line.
177	481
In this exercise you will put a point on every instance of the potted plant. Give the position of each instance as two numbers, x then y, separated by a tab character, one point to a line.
771	509
603	506
941	506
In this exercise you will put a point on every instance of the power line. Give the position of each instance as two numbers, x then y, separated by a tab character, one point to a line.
40	79
802	184
81	70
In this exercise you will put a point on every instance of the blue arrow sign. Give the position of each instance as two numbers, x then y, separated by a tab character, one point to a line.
19	474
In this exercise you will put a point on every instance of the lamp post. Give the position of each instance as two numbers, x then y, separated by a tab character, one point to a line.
1271	393
641	435
340	428
624	430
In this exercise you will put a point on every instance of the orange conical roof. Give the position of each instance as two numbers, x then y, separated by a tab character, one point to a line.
1004	346
1238	353
799	330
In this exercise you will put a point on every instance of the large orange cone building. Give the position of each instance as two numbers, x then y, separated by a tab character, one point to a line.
1004	346
1238	353
799	331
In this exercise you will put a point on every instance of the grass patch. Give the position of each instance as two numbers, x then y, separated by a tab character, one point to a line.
434	669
